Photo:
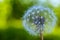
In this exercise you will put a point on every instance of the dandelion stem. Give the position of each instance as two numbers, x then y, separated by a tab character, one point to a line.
41	33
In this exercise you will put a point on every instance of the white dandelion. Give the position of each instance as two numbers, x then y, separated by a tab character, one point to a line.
40	21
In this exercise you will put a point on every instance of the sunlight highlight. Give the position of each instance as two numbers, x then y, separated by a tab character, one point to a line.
1	1
55	3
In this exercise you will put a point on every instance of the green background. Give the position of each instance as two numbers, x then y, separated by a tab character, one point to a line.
11	27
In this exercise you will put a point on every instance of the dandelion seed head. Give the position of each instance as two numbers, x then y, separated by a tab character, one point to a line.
37	16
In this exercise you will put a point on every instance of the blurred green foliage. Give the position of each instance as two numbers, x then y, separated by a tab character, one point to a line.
20	34
18	8
11	27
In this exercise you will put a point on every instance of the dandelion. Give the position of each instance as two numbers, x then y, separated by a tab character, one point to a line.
38	19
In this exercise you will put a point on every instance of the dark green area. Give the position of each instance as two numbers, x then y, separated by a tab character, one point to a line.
19	9
20	34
